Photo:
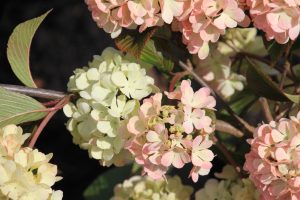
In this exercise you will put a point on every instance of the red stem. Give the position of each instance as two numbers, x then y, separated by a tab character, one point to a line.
48	117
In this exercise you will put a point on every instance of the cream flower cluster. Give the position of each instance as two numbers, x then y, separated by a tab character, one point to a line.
231	187
25	174
109	91
168	135
139	188
273	162
279	19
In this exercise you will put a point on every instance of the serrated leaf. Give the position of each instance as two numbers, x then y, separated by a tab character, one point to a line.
18	49
262	85
154	57
132	42
102	187
143	48
17	108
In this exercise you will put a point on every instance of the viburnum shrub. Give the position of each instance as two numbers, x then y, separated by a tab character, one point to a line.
232	73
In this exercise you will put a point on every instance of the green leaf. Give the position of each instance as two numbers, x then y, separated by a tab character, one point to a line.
102	187
17	108
274	49
241	102
132	42
143	48
154	57
18	49
262	85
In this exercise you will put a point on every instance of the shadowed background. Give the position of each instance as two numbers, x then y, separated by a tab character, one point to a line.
68	38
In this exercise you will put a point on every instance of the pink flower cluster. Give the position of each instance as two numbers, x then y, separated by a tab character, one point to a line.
165	135
200	21
208	20
274	159
112	15
279	19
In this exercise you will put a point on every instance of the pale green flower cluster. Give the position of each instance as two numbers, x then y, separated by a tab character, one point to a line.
145	188
109	91
25	173
231	187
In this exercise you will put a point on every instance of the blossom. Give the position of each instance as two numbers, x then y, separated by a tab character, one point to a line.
173	135
207	21
273	162
25	173
109	90
231	187
114	15
138	187
280	20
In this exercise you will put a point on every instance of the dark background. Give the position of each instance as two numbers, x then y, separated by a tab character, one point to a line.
67	39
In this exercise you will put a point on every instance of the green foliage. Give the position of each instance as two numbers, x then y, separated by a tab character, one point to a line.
18	49
143	48
102	187
262	85
17	108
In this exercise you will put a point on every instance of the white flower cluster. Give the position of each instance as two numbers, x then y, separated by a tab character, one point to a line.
138	188
109	91
25	174
231	187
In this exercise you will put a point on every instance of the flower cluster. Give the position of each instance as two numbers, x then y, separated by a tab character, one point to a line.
112	15
279	19
137	188
109	91
200	21
25	173
165	135
273	162
231	187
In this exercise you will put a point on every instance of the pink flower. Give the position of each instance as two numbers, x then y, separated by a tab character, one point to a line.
199	99
273	162
208	20
165	135
279	19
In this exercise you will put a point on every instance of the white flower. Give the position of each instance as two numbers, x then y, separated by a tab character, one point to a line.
230	188
25	174
109	89
138	188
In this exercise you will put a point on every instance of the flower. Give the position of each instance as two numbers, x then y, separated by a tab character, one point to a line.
207	21
138	187
230	188
273	162
25	173
112	15
280	20
11	139
109	90
173	135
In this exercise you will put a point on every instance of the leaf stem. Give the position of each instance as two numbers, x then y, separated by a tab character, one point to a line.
48	117
34	92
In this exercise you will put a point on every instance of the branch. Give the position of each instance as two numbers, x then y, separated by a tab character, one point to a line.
48	117
228	128
222	103
266	109
34	92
